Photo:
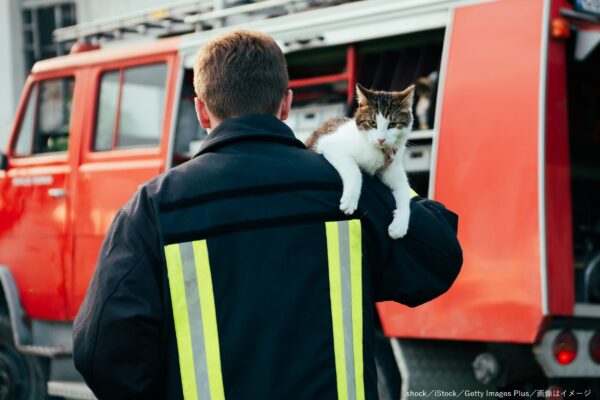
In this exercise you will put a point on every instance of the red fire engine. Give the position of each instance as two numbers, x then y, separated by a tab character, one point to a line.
507	135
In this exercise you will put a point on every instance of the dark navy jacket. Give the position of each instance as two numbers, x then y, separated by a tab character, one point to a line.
260	198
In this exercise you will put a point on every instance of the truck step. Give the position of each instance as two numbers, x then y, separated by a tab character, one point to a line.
70	390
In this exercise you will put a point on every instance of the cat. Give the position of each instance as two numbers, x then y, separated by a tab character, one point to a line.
373	140
423	92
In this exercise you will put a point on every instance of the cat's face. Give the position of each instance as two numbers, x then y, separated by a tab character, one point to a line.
385	117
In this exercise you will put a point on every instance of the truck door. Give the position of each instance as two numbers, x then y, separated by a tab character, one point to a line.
125	144
34	222
488	169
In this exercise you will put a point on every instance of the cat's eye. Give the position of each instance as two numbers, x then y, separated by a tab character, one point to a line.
372	124
392	125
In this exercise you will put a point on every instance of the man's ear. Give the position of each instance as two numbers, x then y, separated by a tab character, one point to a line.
286	105
202	113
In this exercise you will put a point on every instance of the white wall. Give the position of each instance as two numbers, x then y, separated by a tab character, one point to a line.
12	74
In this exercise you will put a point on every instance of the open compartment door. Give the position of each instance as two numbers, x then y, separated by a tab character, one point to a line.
488	168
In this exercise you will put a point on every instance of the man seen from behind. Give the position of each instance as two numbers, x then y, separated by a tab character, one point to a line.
235	275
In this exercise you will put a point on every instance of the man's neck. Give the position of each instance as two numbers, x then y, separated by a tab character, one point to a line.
214	121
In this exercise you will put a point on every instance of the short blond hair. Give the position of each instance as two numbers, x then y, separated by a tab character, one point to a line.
241	72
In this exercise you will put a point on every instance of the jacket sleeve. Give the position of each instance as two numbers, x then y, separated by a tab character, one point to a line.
424	264
418	267
116	336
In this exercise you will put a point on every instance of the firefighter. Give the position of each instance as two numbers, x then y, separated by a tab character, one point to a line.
235	275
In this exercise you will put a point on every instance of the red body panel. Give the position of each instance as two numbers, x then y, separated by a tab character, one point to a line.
36	243
487	171
51	244
559	224
35	229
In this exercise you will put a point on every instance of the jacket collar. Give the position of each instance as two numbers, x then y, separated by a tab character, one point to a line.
260	127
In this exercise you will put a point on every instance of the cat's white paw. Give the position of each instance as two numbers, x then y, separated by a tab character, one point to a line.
349	203
399	227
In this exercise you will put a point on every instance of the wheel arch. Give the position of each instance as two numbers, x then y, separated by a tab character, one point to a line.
10	305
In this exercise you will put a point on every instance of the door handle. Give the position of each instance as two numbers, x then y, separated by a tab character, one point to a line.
57	192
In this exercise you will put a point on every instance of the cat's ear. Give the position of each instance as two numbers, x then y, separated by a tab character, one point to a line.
362	94
405	97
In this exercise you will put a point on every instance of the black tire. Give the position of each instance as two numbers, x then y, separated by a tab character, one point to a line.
22	376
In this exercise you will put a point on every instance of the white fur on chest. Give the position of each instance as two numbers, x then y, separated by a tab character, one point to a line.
350	150
348	140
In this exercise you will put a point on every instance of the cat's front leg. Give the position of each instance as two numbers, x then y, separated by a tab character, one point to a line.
399	226
395	178
351	179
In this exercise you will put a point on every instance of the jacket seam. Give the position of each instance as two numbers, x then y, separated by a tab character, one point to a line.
117	287
246	192
254	224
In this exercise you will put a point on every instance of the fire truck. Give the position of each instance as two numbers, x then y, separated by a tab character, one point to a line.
507	134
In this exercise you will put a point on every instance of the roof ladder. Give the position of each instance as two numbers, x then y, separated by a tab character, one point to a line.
184	16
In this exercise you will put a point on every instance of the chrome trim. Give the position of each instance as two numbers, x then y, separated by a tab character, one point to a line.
587	310
57	192
542	156
70	390
439	103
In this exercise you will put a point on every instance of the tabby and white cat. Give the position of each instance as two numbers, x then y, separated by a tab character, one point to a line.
374	141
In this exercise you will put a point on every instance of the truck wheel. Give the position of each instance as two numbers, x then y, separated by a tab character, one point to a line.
22	376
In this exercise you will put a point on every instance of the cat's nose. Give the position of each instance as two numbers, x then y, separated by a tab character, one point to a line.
381	141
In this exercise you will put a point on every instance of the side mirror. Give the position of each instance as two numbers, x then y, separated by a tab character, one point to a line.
3	162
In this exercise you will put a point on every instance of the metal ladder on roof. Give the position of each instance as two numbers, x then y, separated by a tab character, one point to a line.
184	16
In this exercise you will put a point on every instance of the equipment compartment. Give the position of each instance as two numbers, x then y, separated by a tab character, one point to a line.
583	99
323	81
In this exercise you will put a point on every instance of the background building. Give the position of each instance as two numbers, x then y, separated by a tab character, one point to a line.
26	28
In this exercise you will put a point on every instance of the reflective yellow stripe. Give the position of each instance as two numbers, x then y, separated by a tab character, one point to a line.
335	293
355	243
209	320
192	299
344	253
413	193
182	324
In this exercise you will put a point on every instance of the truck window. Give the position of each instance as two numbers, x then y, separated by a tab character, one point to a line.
25	136
131	105
107	110
45	124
